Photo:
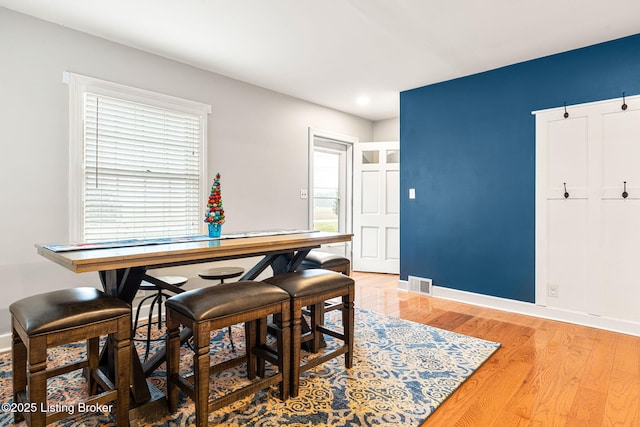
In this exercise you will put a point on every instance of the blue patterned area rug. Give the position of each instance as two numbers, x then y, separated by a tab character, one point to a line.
402	371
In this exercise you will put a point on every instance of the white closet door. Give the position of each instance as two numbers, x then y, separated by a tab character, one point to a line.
620	215
568	222
588	244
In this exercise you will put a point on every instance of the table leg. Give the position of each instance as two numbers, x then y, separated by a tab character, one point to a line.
124	284
279	263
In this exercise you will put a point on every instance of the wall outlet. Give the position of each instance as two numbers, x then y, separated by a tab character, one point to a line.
553	290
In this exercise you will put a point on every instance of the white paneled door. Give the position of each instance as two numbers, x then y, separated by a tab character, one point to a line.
588	208
376	207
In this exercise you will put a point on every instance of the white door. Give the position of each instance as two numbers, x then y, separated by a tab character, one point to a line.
330	185
376	207
588	208
620	214
565	250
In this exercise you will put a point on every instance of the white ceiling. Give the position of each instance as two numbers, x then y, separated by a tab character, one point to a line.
331	52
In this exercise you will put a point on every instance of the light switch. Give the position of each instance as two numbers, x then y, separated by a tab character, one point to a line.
303	193
412	193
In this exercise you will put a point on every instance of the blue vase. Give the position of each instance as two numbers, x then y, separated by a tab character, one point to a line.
215	229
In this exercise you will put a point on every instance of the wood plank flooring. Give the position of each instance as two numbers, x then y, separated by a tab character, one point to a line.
546	373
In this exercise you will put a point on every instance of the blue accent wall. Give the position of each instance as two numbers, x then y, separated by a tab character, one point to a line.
468	148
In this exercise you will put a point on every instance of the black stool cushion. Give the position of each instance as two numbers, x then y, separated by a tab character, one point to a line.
64	309
225	299
304	283
318	259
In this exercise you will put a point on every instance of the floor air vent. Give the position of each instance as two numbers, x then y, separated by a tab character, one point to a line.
420	285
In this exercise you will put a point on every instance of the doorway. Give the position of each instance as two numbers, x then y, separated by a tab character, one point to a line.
330	185
376	207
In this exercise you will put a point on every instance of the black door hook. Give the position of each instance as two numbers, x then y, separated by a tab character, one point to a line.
566	195
624	192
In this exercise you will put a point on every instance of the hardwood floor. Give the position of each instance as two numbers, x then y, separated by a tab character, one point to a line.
546	373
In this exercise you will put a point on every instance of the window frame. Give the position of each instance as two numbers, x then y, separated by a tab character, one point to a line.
316	138
78	86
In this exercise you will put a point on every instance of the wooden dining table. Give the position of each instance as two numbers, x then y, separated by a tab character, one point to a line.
122	267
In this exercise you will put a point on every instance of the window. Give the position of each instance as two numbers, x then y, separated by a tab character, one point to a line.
136	162
328	188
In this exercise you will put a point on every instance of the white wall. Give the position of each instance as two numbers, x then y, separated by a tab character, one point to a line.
387	130
257	140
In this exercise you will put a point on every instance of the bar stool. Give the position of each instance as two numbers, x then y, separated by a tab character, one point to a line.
326	261
61	317
156	298
312	288
222	273
212	308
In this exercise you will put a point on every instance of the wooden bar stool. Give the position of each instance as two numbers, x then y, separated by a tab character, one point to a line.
311	288
222	273
159	295
327	261
212	308
62	317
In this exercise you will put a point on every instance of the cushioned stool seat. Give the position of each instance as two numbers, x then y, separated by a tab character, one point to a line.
212	308
326	261
62	317
312	288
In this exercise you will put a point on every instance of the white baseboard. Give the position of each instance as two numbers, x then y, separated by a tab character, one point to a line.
529	309
5	342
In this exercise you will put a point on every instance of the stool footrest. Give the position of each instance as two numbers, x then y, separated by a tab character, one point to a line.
102	380
217	368
248	390
331	332
227	364
323	358
69	367
333	306
185	384
102	398
328	306
306	336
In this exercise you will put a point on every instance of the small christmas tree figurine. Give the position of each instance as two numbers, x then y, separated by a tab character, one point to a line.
214	215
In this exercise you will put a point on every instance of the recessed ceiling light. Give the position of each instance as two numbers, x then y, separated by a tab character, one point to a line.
363	100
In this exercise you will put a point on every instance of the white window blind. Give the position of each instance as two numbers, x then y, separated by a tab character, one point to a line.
140	166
